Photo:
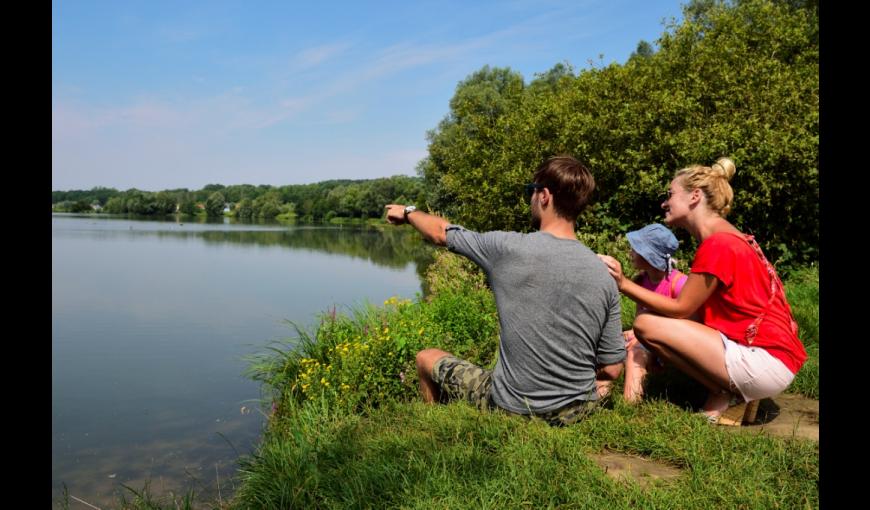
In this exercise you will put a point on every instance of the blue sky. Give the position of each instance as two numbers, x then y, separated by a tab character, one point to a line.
179	94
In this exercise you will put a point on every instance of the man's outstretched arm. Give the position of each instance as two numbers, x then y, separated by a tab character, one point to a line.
433	228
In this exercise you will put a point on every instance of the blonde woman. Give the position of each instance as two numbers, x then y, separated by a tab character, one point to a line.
746	347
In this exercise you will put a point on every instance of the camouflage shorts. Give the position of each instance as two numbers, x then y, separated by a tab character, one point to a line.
465	380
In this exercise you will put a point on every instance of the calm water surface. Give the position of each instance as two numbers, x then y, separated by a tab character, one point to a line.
151	320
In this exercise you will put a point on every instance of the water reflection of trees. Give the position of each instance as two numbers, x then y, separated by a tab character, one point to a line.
390	247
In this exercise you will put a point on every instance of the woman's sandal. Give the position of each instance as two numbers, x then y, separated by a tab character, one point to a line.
711	419
735	415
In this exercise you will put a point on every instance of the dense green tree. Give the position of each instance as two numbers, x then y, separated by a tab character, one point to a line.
244	209
80	206
164	203
214	205
237	192
97	195
115	205
187	204
733	78
464	168
549	81
267	206
643	50
288	208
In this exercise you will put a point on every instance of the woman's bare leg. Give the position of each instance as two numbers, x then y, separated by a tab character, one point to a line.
693	348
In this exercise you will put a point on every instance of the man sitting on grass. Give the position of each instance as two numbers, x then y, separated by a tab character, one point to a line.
558	308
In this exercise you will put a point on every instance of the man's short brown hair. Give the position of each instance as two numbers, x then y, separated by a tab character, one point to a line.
570	183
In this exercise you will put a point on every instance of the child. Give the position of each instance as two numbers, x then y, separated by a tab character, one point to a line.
651	251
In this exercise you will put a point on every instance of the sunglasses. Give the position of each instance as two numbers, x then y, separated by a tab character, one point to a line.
529	189
668	194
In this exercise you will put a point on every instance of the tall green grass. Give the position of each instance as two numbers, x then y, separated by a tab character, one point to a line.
144	498
802	291
358	437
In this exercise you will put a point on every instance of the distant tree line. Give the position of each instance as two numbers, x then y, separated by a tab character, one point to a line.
310	202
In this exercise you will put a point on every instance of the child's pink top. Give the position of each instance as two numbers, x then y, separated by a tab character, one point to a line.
669	286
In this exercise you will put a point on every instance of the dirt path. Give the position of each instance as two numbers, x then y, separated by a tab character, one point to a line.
786	415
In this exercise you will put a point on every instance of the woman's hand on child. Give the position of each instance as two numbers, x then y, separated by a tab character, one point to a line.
614	268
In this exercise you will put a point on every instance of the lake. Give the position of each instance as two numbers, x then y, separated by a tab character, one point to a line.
151	321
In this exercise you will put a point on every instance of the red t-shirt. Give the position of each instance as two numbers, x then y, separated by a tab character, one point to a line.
742	295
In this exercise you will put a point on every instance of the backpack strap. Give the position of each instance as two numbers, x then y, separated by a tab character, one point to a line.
775	285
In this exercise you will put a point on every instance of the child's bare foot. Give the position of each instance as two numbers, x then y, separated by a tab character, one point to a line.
603	388
636	363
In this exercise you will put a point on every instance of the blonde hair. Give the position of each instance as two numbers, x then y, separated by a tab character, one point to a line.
713	181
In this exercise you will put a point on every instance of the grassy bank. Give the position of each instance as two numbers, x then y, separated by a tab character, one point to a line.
418	456
347	428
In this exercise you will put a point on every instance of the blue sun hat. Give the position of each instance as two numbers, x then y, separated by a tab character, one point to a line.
656	244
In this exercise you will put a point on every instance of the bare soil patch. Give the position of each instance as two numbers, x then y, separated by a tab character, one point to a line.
641	470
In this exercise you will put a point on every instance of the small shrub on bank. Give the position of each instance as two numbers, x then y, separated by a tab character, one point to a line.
368	358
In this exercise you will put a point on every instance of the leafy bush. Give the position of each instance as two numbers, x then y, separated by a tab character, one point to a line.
368	358
737	79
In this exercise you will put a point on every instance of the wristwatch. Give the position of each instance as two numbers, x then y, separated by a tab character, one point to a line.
408	210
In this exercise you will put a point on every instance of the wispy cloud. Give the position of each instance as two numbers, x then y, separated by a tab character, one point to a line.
407	55
387	62
70	120
312	57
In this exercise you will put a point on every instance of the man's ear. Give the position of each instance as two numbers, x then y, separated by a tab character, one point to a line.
546	196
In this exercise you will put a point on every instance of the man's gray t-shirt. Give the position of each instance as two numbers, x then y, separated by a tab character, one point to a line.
559	312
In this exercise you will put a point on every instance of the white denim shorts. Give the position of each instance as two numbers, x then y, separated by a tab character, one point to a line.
754	372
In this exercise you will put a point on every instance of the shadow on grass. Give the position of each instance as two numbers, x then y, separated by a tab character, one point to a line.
681	390
768	410
671	385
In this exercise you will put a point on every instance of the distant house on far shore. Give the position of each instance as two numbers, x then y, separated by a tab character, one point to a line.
96	207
